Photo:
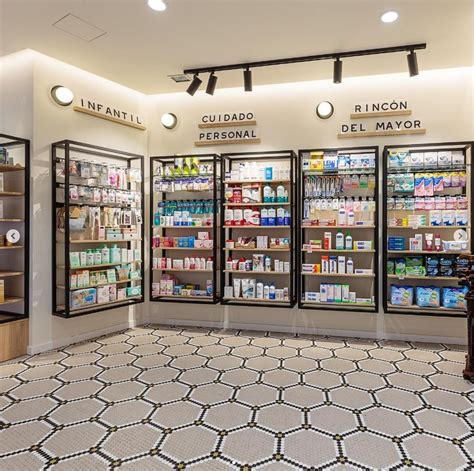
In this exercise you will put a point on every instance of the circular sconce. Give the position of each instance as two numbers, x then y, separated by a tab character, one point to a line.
325	110
169	120
62	95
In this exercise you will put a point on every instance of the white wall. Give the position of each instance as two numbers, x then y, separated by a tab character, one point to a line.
287	120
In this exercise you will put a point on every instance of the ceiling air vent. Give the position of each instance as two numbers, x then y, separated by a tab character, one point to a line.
79	28
179	78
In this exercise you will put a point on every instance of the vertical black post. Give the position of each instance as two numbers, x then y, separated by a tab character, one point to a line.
67	259
26	235
214	228
53	227
152	225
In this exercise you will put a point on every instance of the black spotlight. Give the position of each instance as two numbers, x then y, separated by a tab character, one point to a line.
211	84
337	76
195	84
248	80
412	64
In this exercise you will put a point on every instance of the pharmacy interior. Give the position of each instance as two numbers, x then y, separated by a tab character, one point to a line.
240	210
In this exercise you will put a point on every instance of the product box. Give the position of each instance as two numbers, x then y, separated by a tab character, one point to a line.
455	297
134	291
122	292
312	296
1	207
83	297
345	293
324	293
252	193
401	295
103	294
428	296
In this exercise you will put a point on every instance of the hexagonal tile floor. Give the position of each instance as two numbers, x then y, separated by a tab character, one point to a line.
156	397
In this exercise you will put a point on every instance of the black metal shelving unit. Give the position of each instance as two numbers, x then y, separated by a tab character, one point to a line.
168	185
320	189
74	188
15	256
285	160
407	231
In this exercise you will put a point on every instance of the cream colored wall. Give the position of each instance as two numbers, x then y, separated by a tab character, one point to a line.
287	120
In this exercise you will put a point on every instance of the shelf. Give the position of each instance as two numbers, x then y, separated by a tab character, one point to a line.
240	182
11	193
237	249
93	306
337	251
120	282
12	247
418	308
257	300
92	241
256	204
5	274
179	296
257	273
427	252
452	168
339	275
11	168
339	305
257	227
11	220
430	278
11	300
338	227
104	265
102	205
342	171
415	228
182	270
182	177
183	227
189	249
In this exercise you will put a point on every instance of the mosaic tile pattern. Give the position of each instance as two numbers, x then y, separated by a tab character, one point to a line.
157	398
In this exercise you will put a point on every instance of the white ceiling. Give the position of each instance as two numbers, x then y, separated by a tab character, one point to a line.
142	47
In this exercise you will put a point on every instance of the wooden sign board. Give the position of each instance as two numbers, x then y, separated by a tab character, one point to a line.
396	132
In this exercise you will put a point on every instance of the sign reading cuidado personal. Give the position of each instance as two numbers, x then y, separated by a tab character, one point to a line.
227	128
393	117
110	113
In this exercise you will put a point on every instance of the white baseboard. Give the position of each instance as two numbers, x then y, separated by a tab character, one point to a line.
312	331
64	342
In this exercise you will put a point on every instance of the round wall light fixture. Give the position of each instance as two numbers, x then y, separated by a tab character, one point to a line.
325	110
169	120
389	16
157	5
62	95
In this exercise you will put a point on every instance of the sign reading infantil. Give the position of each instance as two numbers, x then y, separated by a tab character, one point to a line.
395	123
227	128
110	113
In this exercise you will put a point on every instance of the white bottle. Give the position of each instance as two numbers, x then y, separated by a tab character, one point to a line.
350	218
259	290
341	221
339	241
187	263
272	292
349	244
350	266
97	258
105	255
266	292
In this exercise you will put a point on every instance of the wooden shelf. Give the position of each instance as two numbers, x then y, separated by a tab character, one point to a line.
11	193
11	168
257	300
11	220
121	282
11	300
93	306
427	252
338	227
257	273
257	227
256	204
93	241
338	251
432	278
182	270
415	228
192	249
239	182
339	275
5	274
12	247
418	308
339	305
183	227
104	265
179	296
240	249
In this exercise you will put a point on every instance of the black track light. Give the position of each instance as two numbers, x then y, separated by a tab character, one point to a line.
337	76
248	80
211	84
412	64
195	84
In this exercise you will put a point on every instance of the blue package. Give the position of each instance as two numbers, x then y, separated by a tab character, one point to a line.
428	296
454	297
401	295
268	173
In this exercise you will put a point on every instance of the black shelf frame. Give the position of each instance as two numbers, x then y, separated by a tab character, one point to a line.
9	141
167	160
464	146
67	146
227	160
300	230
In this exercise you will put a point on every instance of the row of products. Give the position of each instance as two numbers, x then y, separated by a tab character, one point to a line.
258	263
184	213
432	242
335	293
259	242
330	187
425	184
169	285
335	265
331	161
450	297
400	203
403	159
85	194
188	263
250	288
202	241
341	244
183	184
102	256
437	217
103	294
255	193
431	266
185	167
86	278
257	217
105	175
258	171
5	159
84	217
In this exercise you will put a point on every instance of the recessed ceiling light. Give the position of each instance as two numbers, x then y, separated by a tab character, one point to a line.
389	16
158	5
62	95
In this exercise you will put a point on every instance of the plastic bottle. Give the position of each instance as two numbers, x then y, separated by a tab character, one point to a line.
259	290
90	259
350	266
271	217
264	217
272	291
280	221
339	241
105	254
228	265
349	244
115	254
267	194
280	194
268	263
341	218
287	218
350	218
266	292
97	257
